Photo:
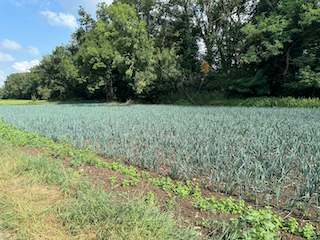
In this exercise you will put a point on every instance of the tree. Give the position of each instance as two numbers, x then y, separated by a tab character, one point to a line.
19	86
168	71
56	75
87	24
117	52
256	85
171	25
148	11
286	35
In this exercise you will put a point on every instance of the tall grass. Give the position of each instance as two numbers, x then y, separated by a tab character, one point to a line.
39	200
28	200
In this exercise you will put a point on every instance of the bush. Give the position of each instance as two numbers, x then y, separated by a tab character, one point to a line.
219	99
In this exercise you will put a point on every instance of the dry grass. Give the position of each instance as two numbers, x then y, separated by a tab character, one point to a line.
27	209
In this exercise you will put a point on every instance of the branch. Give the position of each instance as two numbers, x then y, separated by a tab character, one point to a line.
190	98
288	58
270	5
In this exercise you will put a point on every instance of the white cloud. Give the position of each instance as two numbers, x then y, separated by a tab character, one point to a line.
17	3
20	3
60	19
10	45
88	5
2	78
33	50
5	57
25	66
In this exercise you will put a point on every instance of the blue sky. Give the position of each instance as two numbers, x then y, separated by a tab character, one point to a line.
30	29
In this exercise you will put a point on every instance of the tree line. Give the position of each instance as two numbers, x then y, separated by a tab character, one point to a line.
145	49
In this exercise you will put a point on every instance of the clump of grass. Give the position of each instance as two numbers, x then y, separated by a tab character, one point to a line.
120	217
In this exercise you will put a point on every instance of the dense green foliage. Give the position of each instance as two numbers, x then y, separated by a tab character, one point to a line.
148	49
283	44
259	154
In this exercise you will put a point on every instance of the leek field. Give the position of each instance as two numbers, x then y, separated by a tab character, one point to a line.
270	156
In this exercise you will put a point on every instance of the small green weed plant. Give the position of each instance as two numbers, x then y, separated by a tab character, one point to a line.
150	197
113	180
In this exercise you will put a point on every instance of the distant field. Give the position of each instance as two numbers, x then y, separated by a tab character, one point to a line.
41	102
21	102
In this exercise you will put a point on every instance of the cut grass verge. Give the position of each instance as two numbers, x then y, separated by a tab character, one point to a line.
9	102
39	200
21	102
28	200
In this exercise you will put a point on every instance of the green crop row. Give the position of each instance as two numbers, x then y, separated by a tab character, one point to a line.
261	222
250	152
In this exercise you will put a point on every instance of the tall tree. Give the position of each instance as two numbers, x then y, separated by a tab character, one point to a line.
87	24
286	35
148	11
19	86
57	74
116	53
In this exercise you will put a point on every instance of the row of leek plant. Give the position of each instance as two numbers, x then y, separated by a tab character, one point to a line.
258	154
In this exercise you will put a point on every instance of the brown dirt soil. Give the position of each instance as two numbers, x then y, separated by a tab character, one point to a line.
183	208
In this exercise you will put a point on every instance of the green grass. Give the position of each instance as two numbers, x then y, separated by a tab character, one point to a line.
21	102
9	102
203	99
218	99
29	195
36	192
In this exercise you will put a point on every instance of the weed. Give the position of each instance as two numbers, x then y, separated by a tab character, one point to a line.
125	183
150	197
113	180
145	174
170	202
134	182
203	223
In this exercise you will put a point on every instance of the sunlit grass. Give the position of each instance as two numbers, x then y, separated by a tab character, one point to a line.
41	102
40	200
22	102
27	208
